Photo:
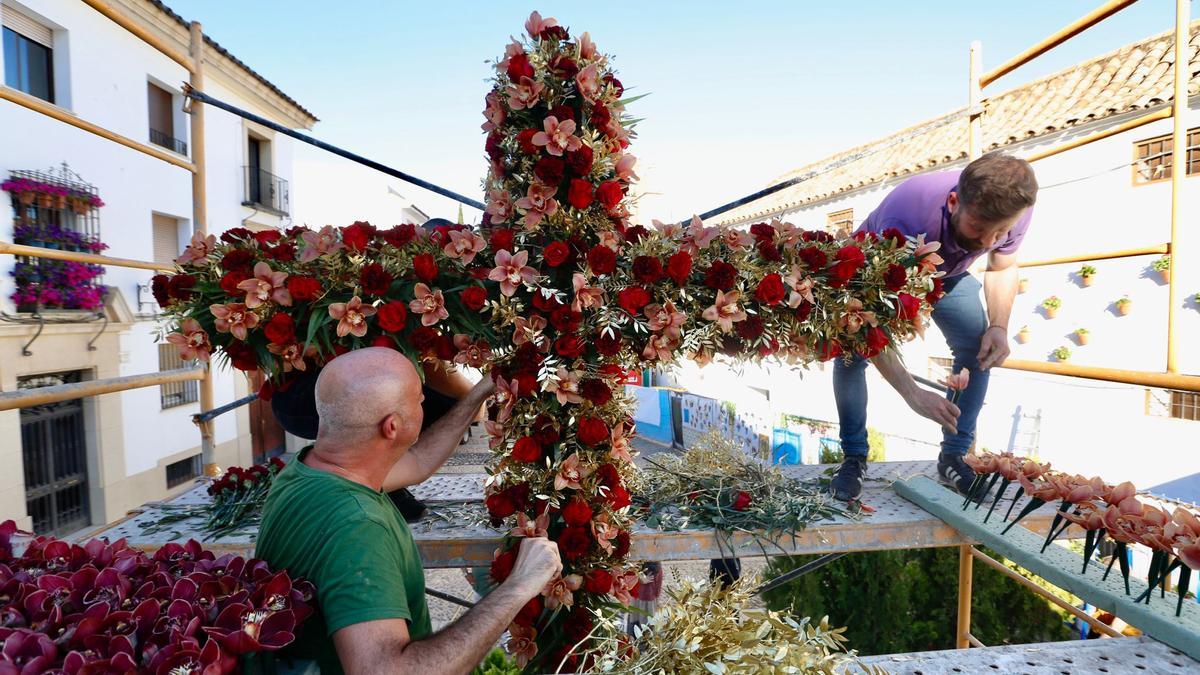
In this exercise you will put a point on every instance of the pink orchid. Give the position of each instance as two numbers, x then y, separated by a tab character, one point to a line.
570	473
698	236
499	205
587	48
506	395
463	245
725	311
667	230
351	317
538	203
854	318
588	82
623	585
786	234
495	432
522	644
736	239
926	253
493	110
474	354
624	168
317	244
198	250
429	304
535	24
660	348
192	341
292	355
665	319
512	270
559	590
802	287
586	297
566	387
266	285
604	532
557	137
609	239
958	381
524	94
620	448
234	318
529	330
531	528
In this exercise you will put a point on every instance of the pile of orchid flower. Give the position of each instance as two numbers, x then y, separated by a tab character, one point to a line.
107	608
1102	510
558	295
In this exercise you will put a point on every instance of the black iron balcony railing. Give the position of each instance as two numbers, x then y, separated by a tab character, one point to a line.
265	190
165	140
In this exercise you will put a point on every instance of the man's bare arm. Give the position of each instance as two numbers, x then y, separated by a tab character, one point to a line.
925	403
437	442
1000	283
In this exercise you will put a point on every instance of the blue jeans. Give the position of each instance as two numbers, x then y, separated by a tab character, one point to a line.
961	318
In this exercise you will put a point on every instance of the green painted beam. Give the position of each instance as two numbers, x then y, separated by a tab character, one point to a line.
1061	567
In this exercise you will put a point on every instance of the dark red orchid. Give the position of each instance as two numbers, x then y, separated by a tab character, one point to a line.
242	629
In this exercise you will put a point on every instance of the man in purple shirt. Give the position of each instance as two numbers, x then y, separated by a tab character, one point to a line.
985	208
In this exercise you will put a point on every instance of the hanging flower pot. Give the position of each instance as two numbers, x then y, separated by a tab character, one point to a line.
80	205
1163	267
1062	354
1087	274
60	201
1081	336
27	197
1051	305
45	200
1023	335
1124	305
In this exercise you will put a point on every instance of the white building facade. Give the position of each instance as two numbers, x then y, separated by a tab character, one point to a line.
69	466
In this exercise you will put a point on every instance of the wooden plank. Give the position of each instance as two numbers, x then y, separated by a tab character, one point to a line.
1061	567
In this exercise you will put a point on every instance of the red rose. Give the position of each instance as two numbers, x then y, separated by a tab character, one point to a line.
385	341
281	329
500	505
633	298
491	146
577	625
909	307
527	449
564	66
598	582
592	431
574	542
647	269
565	320
804	310
580	194
391	316
894	234
576	512
721	276
895	277
608	343
763	232
520	495
400	235
610	194
750	329
423	339
556	253
237	259
230	281
425	267
545	303
180	286
621	544
501	239
852	254
303	288
741	501
356	237
374	279
550	170
829	350
600	117
679	267
618	497
770	290
636	233
841	273
595	392
160	282
236	234
525	140
544	430
770	252
569	346
503	564
473	297
579	161
285	252
519	66
527	384
617	87
264	237
814	258
938	291
608	475
530	612
876	341
241	355
602	260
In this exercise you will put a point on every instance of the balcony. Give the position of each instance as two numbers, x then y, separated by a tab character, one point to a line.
165	140
265	191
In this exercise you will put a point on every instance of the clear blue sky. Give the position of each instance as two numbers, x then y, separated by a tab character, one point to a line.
739	92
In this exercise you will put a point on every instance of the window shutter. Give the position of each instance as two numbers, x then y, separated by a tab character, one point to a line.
26	25
166	238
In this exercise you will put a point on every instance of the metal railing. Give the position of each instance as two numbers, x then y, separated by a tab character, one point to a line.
163	139
265	190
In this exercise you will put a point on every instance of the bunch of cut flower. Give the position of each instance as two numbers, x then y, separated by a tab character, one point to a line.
1101	509
238	497
714	485
108	608
710	627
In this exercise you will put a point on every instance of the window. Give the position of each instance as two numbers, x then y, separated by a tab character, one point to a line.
182	471
264	190
840	223
1153	161
165	237
162	119
28	55
1180	405
174	394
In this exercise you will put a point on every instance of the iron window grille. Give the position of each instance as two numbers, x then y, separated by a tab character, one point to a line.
173	394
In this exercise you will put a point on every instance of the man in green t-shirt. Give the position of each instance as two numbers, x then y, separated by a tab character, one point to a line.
328	518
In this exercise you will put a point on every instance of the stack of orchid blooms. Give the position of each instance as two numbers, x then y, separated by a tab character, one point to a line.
107	608
1101	509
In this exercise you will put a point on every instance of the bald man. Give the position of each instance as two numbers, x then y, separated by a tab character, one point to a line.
328	519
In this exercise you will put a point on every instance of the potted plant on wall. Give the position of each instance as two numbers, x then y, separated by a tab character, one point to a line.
1163	267
1124	305
1062	354
1023	335
1023	285
1088	274
1081	336
1051	305
24	190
